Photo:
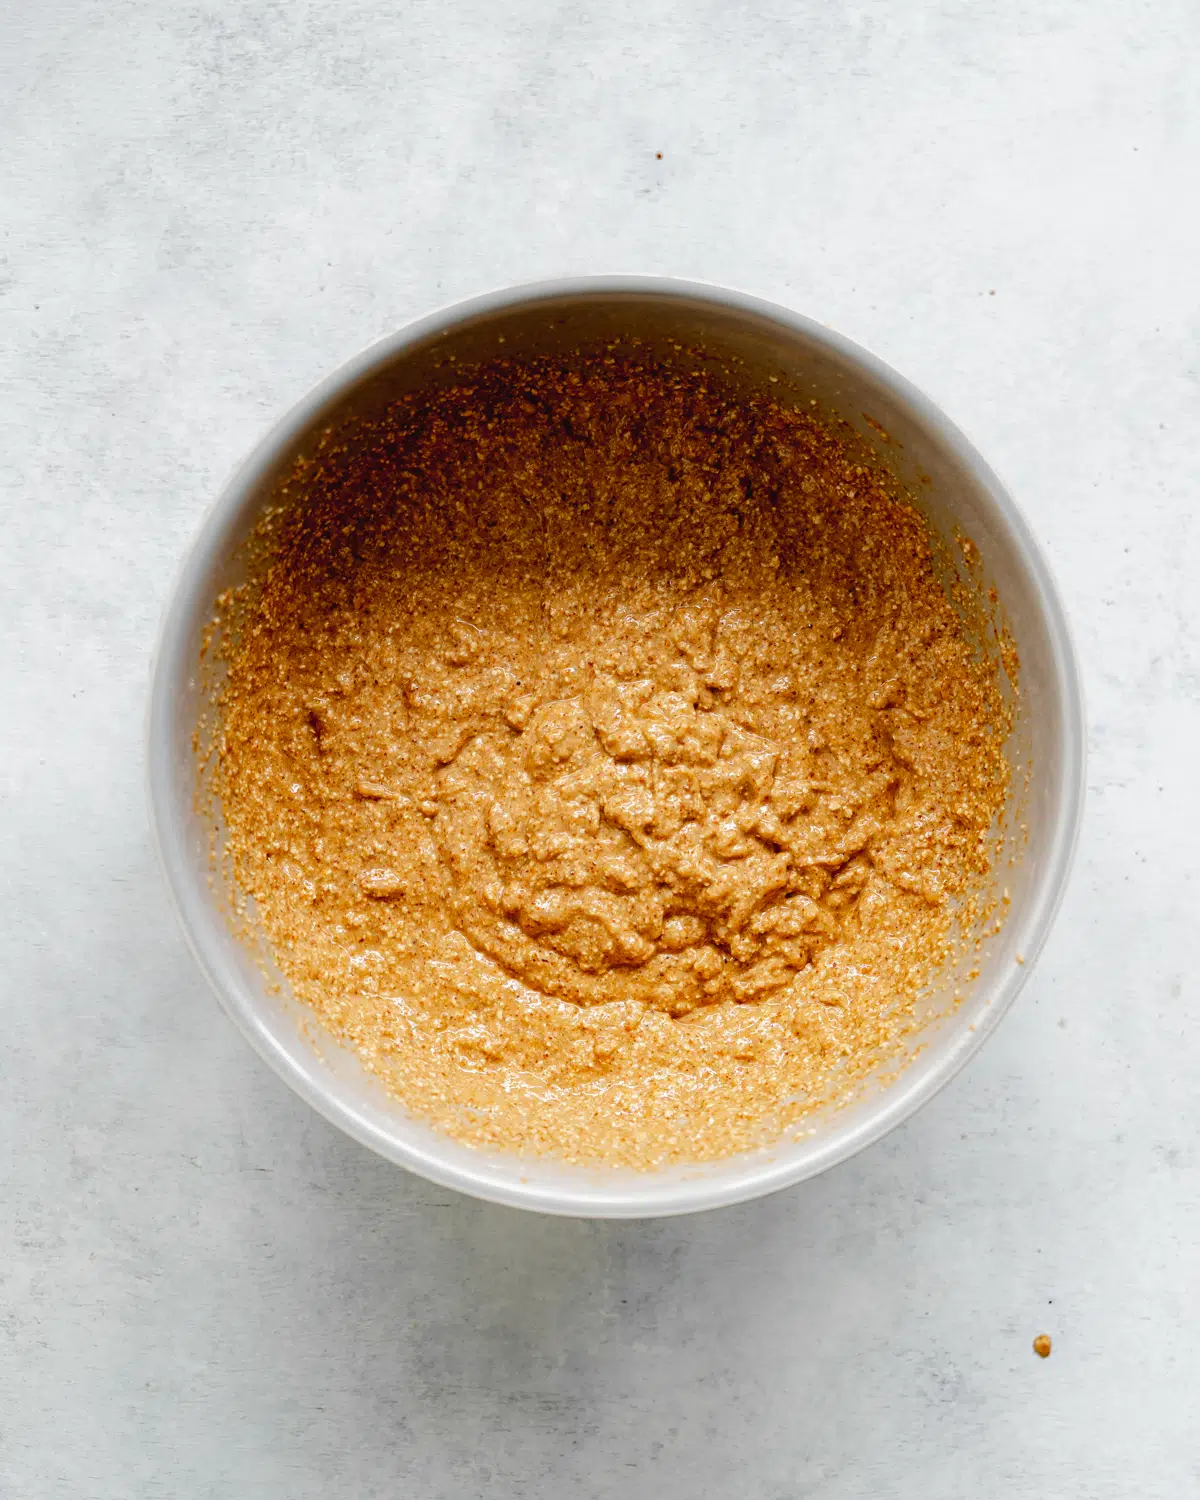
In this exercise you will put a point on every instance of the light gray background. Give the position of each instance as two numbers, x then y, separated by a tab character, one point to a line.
204	1290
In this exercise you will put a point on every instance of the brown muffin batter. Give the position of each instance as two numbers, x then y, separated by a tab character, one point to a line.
603	757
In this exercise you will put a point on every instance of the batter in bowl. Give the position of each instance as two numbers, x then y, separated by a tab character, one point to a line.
604	758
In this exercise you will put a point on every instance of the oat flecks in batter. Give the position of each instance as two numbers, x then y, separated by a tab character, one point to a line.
604	758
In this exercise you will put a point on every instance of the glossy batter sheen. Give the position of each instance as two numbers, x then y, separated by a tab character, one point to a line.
604	758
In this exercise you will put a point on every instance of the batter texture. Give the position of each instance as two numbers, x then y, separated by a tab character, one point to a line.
604	758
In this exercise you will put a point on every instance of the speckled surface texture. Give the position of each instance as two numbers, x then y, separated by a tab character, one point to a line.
205	1290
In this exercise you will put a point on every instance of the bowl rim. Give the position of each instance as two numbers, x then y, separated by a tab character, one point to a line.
497	1178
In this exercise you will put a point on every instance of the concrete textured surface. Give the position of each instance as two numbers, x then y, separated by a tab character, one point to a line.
204	1290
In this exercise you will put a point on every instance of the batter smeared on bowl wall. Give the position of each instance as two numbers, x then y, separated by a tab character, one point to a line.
604	758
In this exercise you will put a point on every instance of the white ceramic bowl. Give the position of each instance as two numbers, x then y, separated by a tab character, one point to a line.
767	342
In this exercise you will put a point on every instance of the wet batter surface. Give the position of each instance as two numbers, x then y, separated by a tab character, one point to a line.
604	759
